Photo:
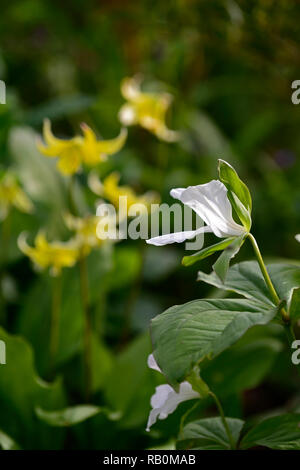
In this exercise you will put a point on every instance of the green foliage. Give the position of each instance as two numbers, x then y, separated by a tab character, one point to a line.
185	335
280	432
209	434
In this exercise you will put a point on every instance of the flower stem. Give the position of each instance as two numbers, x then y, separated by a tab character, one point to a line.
276	300
225	424
54	329
87	353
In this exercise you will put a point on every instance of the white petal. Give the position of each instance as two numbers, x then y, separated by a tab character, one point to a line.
298	237
152	363
165	401
211	203
177	237
127	115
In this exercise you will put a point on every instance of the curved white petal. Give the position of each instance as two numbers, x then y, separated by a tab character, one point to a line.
152	364
211	203
165	401
177	237
298	237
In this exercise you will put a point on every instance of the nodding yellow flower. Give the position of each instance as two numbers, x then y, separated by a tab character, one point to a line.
146	109
85	229
95	151
111	190
55	255
11	194
86	149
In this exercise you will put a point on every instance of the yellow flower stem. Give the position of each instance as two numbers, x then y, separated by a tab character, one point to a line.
55	318
225	424
87	347
72	203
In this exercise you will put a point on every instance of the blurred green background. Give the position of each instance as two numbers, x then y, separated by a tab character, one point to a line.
229	65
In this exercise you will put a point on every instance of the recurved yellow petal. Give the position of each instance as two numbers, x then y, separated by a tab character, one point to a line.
94	151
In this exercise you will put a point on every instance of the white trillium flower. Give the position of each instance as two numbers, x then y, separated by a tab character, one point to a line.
298	237
165	400
211	204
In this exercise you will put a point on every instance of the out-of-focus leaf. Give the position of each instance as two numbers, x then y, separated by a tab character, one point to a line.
131	383
209	434
7	443
21	391
58	108
67	416
280	432
241	367
186	334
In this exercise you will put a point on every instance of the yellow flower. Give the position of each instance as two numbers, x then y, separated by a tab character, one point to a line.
11	194
55	255
95	151
86	149
146	109
86	232
111	190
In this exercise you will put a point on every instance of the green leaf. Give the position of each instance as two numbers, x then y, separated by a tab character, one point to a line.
210	250
294	305
221	266
209	434
186	334
246	279
68	416
21	391
7	443
233	183
280	432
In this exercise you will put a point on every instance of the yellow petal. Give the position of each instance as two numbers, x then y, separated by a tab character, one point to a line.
55	147
109	147
70	160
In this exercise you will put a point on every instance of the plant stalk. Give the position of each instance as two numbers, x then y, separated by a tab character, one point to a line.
267	278
225	424
55	317
87	352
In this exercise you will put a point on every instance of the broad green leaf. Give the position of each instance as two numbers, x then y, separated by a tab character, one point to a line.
186	334
230	178
209	434
210	250
246	279
21	391
7	443
68	416
294	305
221	266
280	432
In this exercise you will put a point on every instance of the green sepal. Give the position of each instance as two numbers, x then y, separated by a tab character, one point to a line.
208	251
